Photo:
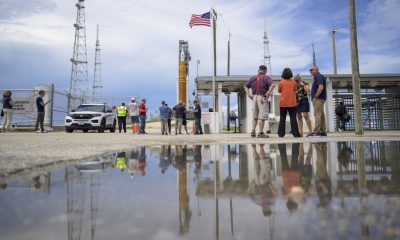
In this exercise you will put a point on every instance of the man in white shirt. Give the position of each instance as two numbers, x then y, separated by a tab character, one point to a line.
134	112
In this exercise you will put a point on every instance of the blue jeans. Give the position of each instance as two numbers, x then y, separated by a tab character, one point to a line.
197	122
342	123
142	123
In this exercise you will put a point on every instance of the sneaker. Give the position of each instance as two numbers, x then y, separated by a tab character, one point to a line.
262	135
314	135
340	130
253	133
37	131
44	131
323	134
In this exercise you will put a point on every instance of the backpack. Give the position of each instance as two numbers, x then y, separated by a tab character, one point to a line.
339	110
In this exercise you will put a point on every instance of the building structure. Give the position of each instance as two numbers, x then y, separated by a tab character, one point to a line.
380	99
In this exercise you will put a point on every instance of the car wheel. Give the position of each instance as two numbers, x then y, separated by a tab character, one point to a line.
69	130
85	130
102	126
112	129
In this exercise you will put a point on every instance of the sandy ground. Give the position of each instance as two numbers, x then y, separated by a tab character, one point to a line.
25	150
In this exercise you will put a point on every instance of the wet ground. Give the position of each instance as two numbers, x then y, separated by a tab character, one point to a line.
331	190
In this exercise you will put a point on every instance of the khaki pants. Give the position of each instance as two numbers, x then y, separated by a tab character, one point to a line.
40	120
164	125
178	125
8	113
319	115
260	107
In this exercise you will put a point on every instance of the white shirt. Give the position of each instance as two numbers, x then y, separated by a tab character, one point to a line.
133	109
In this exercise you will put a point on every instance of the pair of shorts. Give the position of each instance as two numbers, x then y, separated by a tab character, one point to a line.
135	119
303	106
260	107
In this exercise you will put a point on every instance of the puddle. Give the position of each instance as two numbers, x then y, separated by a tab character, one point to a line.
343	190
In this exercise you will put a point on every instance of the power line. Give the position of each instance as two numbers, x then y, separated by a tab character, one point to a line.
238	7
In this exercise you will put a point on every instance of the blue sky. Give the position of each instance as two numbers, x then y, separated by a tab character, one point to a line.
139	40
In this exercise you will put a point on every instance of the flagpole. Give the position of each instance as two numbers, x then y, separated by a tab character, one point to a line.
214	59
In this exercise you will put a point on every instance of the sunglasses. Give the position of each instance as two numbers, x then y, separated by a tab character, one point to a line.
311	70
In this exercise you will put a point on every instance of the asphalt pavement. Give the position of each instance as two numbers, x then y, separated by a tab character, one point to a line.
24	150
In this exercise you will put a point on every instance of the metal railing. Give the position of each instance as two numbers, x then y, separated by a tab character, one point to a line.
380	111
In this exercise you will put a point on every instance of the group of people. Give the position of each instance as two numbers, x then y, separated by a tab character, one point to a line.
8	108
135	160
293	101
297	175
138	114
179	112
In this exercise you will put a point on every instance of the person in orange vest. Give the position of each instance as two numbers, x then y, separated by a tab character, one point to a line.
122	112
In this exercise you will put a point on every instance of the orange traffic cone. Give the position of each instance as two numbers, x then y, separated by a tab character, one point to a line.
135	128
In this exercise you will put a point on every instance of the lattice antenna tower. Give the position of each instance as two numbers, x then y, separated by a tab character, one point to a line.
97	85
314	62
79	73
267	54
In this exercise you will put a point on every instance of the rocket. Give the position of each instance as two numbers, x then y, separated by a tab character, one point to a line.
182	77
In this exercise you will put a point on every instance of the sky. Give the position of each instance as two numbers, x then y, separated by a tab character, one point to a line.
139	40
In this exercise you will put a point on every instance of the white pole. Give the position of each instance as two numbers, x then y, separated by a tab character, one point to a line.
213	15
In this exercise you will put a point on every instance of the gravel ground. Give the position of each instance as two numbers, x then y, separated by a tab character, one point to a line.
26	150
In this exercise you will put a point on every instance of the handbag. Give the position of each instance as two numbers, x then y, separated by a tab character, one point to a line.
2	113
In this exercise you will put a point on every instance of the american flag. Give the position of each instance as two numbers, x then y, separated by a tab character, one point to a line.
200	20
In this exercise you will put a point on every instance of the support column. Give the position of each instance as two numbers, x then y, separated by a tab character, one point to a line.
329	110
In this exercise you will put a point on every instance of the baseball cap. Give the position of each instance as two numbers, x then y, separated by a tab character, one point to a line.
133	99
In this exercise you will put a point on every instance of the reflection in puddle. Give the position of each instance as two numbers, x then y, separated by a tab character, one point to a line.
345	190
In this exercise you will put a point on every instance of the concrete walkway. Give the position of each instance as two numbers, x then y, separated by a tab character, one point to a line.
24	150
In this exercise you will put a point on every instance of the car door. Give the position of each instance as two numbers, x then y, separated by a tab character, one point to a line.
109	116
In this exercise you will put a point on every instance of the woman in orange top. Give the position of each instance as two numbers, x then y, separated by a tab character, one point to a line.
287	88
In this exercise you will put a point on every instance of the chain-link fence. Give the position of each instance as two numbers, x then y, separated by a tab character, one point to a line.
25	109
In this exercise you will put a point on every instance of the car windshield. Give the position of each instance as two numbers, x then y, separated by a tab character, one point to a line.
90	108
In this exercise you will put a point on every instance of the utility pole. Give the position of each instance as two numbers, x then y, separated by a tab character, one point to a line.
334	30
214	19
355	69
228	95
79	72
97	86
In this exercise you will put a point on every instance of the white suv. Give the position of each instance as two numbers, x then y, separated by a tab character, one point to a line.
91	117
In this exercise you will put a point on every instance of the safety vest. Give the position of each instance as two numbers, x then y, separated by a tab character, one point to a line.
120	162
121	111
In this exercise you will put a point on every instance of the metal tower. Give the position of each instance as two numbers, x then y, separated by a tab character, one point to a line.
79	72
267	54
313	55
97	86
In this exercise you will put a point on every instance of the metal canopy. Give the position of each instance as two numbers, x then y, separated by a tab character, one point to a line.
234	83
